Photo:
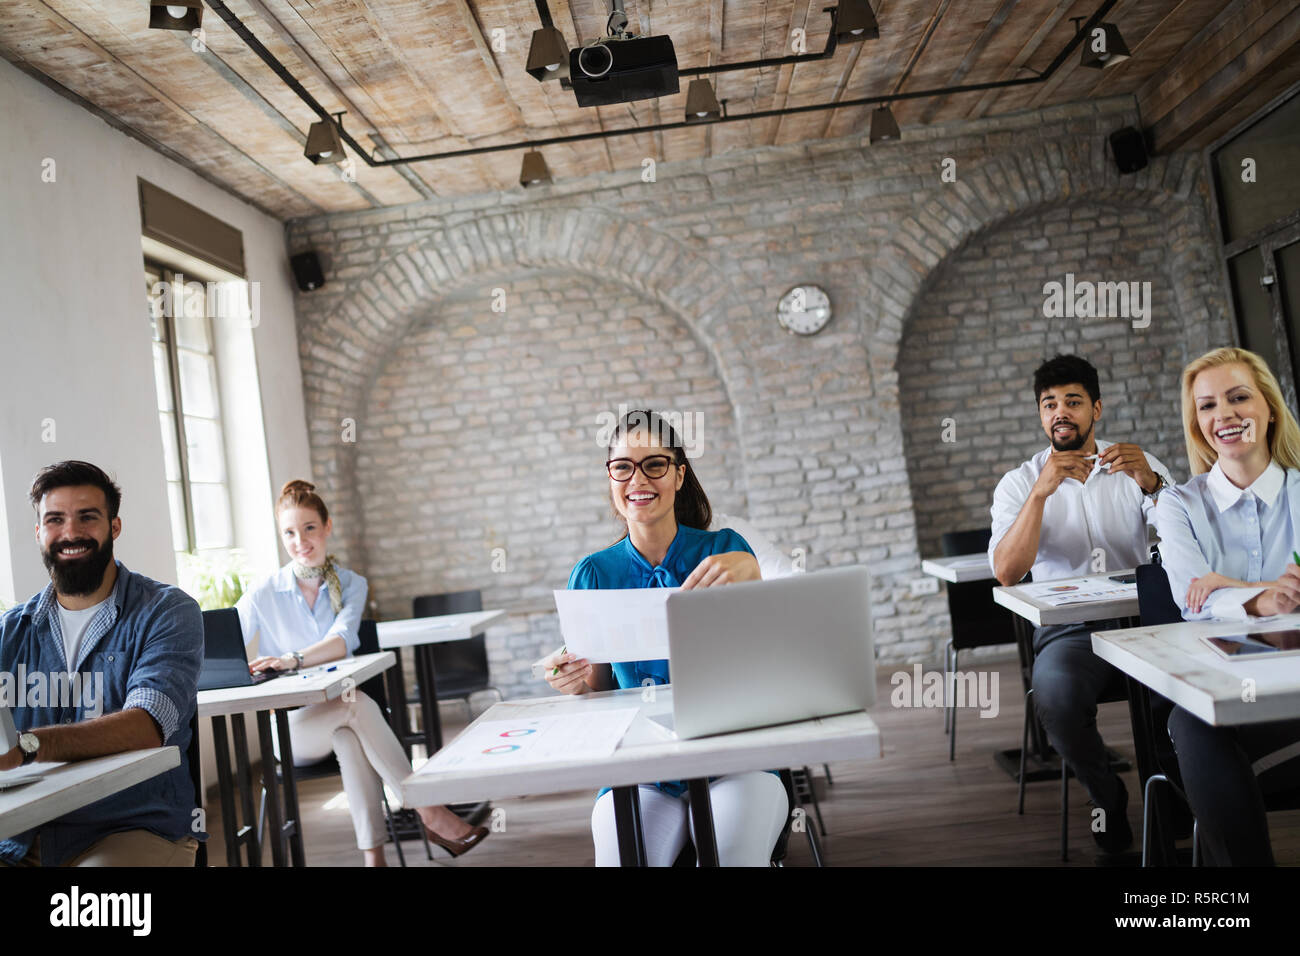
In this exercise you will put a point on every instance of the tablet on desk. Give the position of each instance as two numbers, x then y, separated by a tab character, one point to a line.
1236	647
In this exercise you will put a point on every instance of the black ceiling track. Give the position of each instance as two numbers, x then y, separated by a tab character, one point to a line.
254	44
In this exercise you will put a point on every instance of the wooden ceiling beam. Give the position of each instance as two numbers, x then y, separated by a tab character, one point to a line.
1015	68
972	56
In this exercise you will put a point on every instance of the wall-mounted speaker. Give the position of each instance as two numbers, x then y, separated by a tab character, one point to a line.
307	271
1129	147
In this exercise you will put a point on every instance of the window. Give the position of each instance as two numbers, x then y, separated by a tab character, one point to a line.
1258	197
189	411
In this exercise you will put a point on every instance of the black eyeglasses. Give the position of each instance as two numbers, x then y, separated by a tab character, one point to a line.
655	466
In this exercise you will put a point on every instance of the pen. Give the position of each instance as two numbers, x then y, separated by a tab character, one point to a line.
564	650
1295	557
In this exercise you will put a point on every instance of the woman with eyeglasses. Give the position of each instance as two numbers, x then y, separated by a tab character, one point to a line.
657	497
307	614
1226	540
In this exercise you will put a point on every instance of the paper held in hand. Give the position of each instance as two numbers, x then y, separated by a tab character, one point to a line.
605	626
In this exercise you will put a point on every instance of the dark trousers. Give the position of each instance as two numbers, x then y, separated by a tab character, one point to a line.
1225	787
1068	681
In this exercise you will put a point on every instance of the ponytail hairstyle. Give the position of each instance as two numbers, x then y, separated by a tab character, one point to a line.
301	494
691	506
1283	434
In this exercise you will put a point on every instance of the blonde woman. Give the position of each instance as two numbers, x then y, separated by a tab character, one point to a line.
1226	540
306	614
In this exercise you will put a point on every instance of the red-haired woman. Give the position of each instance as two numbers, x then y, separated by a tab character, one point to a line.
306	614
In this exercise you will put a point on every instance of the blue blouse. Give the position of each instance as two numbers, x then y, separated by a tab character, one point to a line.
623	566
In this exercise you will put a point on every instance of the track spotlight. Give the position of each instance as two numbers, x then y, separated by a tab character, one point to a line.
855	22
175	14
534	171
1103	47
324	144
701	102
883	125
548	55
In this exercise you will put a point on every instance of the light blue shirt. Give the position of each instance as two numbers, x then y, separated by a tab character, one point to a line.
276	611
1209	524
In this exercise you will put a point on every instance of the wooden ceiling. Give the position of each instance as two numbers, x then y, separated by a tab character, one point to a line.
417	76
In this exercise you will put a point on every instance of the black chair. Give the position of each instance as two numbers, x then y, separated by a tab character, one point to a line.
461	666
976	620
193	757
403	824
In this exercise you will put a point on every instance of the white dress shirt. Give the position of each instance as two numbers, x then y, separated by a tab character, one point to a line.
1209	524
1107	512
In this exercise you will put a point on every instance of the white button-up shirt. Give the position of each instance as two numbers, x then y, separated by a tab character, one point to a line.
1209	524
1107	512
277	613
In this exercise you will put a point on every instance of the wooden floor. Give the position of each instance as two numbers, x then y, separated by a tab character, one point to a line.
913	807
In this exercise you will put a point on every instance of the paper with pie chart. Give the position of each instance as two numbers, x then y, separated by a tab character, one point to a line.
504	743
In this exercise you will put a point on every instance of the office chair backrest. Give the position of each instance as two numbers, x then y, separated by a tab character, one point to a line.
461	666
973	541
1155	601
976	620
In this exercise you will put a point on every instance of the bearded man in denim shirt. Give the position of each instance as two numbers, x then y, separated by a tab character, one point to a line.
136	646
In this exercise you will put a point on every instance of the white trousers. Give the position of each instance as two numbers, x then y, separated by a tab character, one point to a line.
749	811
368	754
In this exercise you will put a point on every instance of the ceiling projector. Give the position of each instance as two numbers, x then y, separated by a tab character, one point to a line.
621	70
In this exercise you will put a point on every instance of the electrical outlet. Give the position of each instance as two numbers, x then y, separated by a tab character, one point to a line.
924	586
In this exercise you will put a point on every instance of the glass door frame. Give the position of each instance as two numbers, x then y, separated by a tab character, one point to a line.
1276	235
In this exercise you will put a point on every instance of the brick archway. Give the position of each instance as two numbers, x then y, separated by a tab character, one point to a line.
342	354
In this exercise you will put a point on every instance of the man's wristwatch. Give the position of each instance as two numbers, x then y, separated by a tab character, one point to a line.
29	744
297	657
1161	485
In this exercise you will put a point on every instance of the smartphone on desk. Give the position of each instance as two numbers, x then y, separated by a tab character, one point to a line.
1130	578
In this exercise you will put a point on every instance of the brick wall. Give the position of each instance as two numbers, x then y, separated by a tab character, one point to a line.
822	441
977	333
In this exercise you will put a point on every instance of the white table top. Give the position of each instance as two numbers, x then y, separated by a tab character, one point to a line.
1039	613
436	630
62	788
315	686
1173	661
647	753
960	568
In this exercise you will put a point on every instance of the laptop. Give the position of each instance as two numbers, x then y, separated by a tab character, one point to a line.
225	661
771	652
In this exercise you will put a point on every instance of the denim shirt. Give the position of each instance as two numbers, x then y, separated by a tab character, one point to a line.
144	648
623	566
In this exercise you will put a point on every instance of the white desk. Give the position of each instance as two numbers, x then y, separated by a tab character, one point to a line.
1039	613
62	788
647	752
960	568
415	631
420	633
314	686
1173	661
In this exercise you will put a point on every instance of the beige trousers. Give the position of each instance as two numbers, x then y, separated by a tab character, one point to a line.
368	754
